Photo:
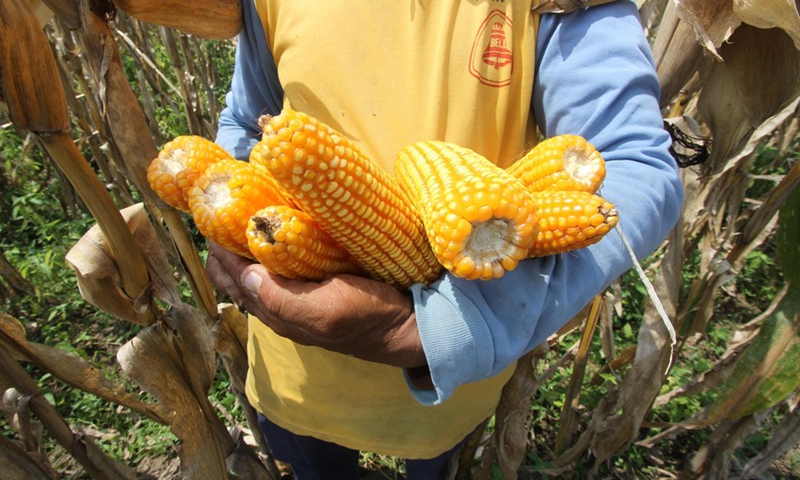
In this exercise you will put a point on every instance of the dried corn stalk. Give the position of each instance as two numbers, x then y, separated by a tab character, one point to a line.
215	19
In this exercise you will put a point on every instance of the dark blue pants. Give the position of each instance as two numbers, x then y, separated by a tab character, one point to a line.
314	459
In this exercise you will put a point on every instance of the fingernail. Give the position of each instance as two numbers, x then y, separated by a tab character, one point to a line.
252	283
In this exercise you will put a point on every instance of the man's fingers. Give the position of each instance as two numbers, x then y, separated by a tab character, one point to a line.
224	269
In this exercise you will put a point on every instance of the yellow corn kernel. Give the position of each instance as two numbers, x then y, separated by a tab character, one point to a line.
178	164
480	220
291	244
360	205
224	197
563	162
569	220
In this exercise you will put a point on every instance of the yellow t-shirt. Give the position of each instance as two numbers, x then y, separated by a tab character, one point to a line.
387	74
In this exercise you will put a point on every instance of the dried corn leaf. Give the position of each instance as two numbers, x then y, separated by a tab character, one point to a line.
713	20
617	418
66	11
677	53
152	361
738	97
512	419
782	439
131	135
783	14
230	341
215	19
18	464
29	81
765	373
42	12
99	278
72	369
196	346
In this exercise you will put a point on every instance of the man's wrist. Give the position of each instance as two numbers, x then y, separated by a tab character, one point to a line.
420	377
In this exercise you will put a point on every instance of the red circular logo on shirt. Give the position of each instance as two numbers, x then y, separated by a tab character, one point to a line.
492	60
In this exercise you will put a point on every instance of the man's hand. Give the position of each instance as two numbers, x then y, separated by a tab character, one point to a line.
355	316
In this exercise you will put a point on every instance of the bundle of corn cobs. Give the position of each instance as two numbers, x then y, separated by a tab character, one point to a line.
310	205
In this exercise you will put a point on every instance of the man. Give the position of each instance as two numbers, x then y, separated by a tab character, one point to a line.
352	364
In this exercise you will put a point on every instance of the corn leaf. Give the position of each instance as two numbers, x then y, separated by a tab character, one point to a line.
766	371
784	14
713	20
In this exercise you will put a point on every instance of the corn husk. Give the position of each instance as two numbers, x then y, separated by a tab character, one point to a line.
783	14
214	19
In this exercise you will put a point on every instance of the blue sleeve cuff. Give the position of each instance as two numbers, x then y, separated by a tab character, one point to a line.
450	326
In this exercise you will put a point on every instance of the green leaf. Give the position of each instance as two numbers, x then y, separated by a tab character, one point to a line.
765	373
788	240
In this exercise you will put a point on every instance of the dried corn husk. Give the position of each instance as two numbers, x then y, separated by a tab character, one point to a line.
783	14
99	277
215	19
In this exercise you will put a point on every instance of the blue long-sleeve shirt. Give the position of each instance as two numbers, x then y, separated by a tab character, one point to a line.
603	87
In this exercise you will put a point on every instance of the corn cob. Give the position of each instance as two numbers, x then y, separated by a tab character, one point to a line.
360	205
225	196
177	165
479	219
290	243
569	220
563	162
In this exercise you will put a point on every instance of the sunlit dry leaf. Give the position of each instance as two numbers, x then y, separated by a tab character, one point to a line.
196	344
215	19
783	14
151	360
713	20
99	277
738	99
229	332
677	53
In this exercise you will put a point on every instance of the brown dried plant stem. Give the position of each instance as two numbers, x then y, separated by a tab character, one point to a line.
130	132
569	415
96	463
36	102
126	251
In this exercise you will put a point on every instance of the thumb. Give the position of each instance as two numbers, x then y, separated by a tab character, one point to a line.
251	279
